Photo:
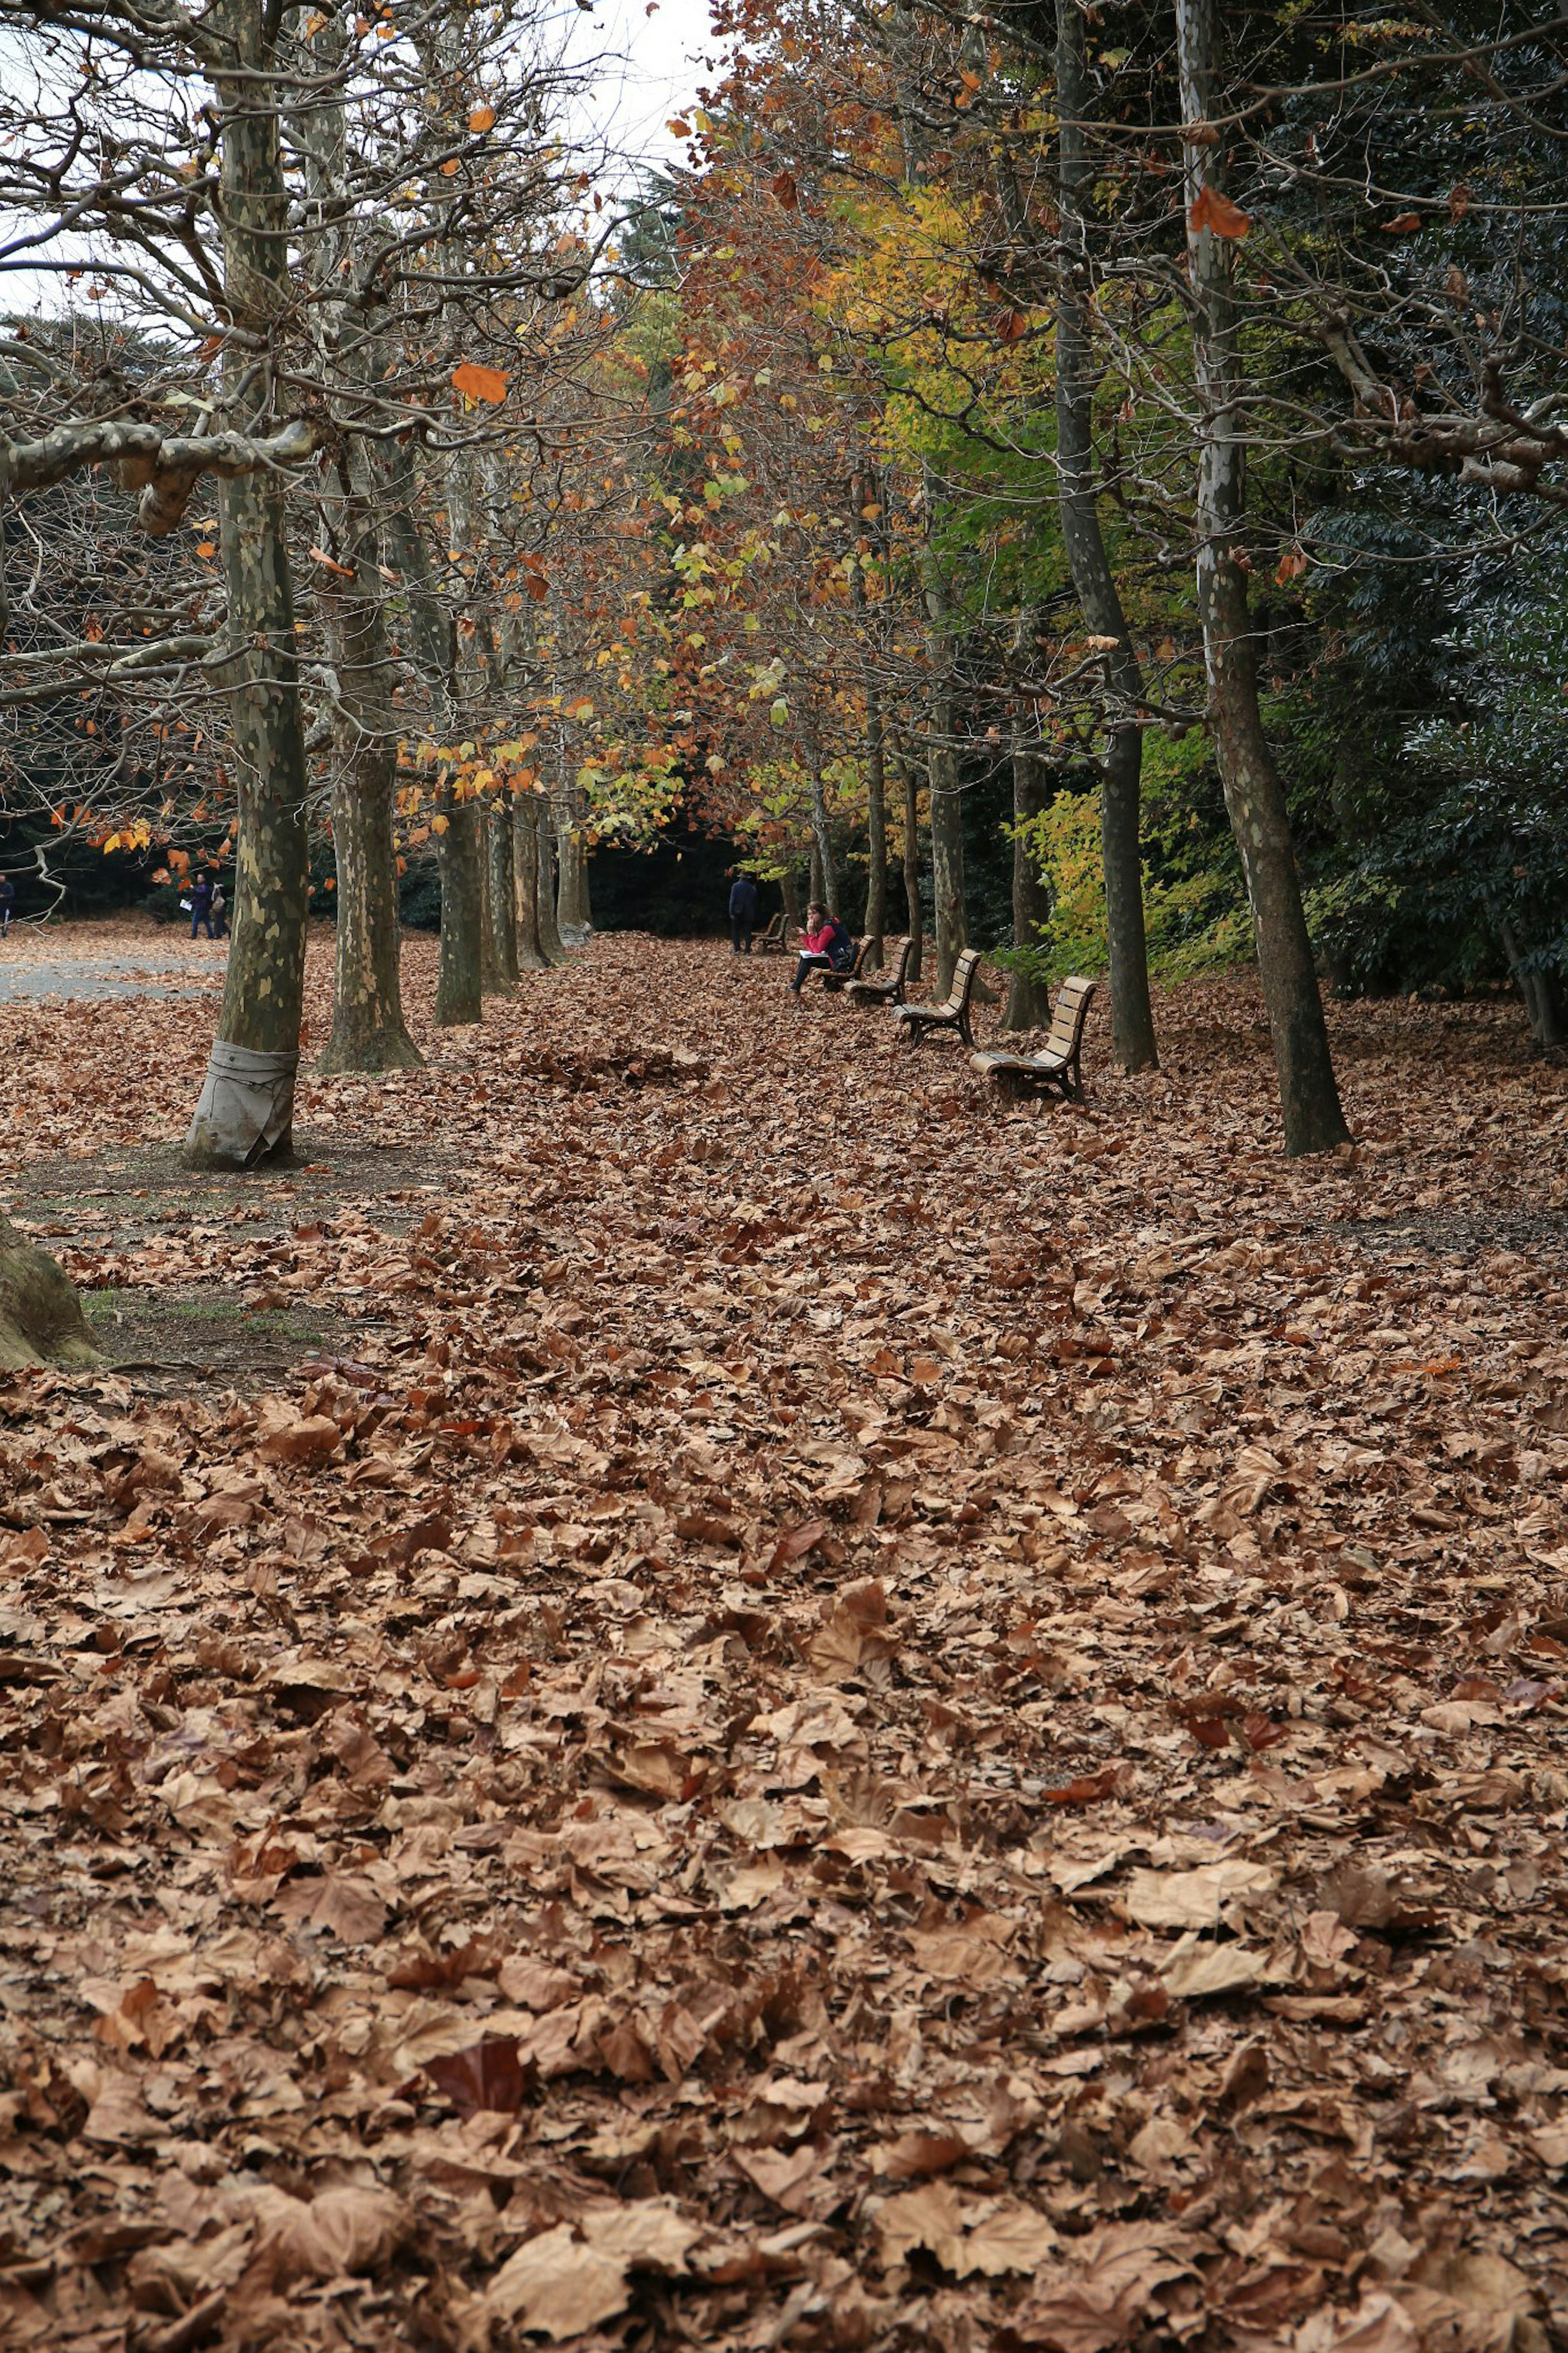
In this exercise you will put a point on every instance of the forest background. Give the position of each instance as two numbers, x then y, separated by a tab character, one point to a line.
1084	478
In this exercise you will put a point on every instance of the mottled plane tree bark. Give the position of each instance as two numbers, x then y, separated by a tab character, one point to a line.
1254	789
1131	1011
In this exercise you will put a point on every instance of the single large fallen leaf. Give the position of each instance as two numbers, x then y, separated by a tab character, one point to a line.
786	2175
992	2235
1194	1899
338	2231
960	1957
487	2074
314	1440
796	1541
557	2286
1196	1966
643	2233
118	2113
1379	2324
1102	2296
342	1903
915	2154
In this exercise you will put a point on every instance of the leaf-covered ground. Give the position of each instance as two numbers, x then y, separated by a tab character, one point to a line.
826	1714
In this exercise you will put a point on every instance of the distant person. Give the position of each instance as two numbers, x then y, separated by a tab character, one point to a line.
220	911
8	904
202	905
742	914
825	946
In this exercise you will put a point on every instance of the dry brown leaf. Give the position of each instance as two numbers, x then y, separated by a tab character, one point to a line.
557	2286
1195	1899
342	1903
990	2236
1195	1967
1102	2296
337	2230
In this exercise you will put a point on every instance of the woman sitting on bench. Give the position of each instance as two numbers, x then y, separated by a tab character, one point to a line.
826	948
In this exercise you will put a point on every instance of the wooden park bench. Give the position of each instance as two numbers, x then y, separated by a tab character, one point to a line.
1059	1062
888	987
834	981
914	1020
772	940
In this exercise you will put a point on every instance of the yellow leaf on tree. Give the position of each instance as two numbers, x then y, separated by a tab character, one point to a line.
477	383
438	825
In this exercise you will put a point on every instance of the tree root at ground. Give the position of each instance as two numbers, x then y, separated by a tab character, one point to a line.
42	1322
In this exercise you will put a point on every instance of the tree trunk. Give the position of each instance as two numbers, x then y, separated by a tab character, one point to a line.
502	896
914	910
948	891
490	981
875	832
1541	993
550	944
41	1320
574	915
246	1111
1131	1013
817	883
789	892
368	1029
825	871
530	956
949	894
459	985
1254	792
864	495
1029	997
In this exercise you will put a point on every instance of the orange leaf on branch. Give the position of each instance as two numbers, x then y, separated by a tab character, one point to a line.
477	383
1215	212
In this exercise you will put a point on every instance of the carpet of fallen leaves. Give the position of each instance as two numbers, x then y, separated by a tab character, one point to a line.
864	1717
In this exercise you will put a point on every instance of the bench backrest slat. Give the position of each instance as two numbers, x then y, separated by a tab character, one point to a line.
963	973
1071	1012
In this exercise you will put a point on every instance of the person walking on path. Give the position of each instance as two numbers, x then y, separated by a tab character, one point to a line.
742	914
8	904
202	905
219	912
825	946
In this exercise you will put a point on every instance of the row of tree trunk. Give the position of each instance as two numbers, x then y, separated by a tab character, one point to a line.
1254	790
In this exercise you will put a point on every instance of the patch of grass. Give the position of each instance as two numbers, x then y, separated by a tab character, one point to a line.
212	1334
208	1307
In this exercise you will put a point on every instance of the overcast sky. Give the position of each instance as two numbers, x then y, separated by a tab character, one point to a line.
661	66
652	64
